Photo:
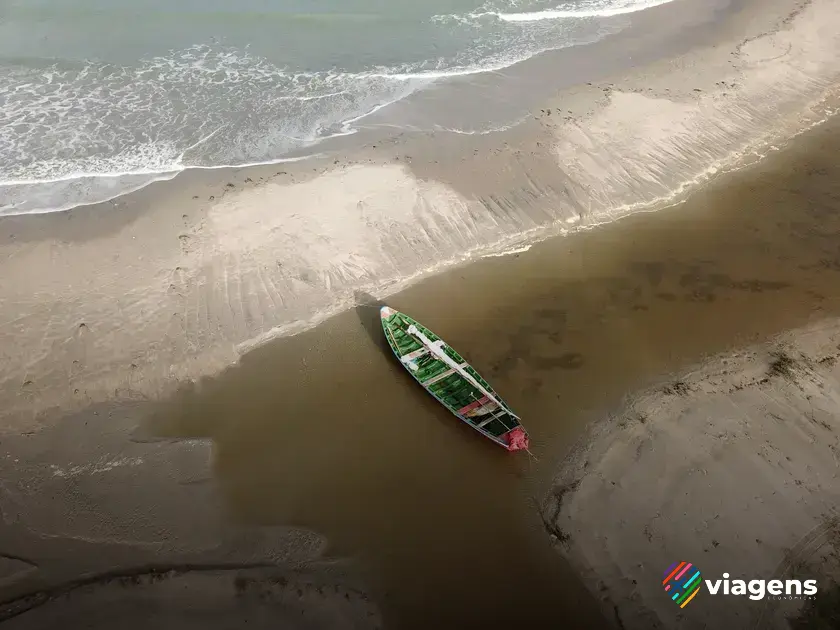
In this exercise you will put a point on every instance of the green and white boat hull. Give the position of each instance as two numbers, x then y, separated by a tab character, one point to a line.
451	380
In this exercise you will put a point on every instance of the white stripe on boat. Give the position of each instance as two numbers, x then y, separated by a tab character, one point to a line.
414	355
437	378
436	348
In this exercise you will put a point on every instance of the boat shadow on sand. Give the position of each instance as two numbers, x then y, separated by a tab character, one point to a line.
367	310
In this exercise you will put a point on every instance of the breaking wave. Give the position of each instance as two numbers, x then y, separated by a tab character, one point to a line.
75	132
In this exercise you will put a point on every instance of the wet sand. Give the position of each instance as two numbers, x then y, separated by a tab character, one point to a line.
324	431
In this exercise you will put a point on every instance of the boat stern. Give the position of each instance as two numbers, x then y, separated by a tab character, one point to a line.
517	439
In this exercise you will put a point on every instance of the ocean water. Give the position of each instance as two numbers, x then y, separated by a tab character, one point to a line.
99	97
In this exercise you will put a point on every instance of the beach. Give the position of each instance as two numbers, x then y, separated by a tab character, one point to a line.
733	465
194	373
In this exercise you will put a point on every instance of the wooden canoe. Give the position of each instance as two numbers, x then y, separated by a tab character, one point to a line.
451	380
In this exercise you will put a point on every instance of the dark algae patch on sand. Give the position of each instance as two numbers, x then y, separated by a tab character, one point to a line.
783	365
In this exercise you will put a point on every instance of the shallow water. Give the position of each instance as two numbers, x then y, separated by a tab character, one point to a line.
136	93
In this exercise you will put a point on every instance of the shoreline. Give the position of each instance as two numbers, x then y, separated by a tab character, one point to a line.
698	32
518	76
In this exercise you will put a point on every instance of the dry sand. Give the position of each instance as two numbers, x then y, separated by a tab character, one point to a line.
733	466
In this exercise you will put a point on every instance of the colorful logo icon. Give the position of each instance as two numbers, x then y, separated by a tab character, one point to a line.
682	582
